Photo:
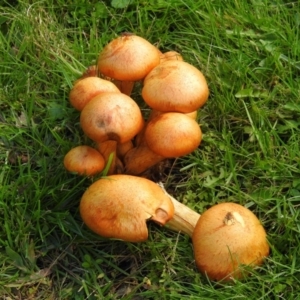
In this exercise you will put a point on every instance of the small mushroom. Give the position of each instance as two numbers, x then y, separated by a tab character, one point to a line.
175	86
127	59
87	88
167	135
118	206
84	160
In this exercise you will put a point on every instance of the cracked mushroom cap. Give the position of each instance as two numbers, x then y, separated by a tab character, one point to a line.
118	206
111	116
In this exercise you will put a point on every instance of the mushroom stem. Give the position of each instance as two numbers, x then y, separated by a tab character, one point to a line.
122	149
106	149
125	87
184	219
139	159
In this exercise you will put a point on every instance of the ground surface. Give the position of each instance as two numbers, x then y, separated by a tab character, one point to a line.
249	53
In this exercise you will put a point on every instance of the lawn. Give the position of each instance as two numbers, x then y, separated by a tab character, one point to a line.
249	52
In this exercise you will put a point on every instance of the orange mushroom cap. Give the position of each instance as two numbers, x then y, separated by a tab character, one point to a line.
168	135
118	206
87	88
173	134
84	160
175	86
226	237
111	116
128	58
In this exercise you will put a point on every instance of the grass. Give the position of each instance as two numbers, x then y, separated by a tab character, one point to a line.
249	53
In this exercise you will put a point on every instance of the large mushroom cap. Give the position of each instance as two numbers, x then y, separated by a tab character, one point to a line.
111	116
176	86
128	58
226	237
118	206
172	134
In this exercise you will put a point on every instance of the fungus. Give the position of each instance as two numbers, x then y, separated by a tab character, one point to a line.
127	59
167	135
175	86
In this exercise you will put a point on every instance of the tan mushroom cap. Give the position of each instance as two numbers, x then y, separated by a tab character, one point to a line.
226	236
128	58
87	88
84	160
118	206
175	86
167	135
111	116
170	55
173	134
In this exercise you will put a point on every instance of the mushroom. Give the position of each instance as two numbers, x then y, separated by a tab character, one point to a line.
84	160
167	135
110	208
175	86
87	88
128	58
226	237
111	119
111	116
118	206
193	114
154	113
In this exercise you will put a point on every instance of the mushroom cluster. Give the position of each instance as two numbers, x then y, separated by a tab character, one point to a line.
173	90
126	145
